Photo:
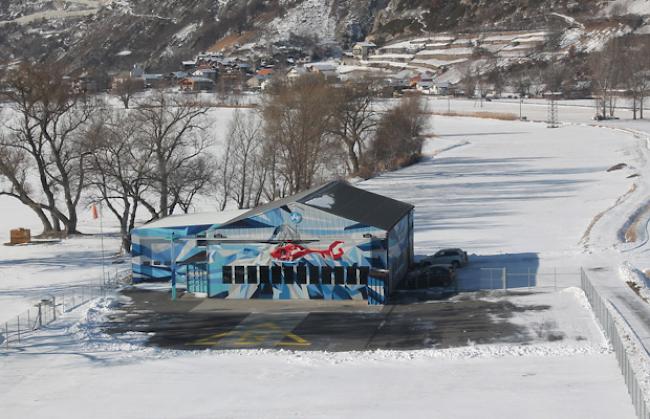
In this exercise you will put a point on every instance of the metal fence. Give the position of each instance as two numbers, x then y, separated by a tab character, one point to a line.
503	278
603	313
53	305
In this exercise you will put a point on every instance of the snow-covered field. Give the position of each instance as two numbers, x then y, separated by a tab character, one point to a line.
502	188
74	371
512	193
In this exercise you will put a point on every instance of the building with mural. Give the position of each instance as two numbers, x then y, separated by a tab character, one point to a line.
331	242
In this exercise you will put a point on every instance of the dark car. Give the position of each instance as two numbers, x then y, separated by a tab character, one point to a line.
424	275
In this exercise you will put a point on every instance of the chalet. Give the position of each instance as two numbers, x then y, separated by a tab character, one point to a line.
153	80
197	84
424	82
400	80
362	50
206	72
327	70
296	72
189	65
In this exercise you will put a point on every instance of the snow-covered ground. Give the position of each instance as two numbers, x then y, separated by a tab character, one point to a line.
507	190
29	273
512	193
75	371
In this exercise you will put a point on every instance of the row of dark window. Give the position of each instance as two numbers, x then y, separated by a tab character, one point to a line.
315	275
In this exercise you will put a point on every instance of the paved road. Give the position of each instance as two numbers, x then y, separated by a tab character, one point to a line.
191	323
629	305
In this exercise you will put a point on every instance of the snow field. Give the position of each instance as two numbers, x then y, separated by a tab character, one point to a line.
511	192
76	371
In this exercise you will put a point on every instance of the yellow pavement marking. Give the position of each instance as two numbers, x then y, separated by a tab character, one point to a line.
297	341
211	340
254	336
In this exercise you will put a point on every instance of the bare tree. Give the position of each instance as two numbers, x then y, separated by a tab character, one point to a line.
606	71
245	141
469	82
15	165
189	180
224	176
297	117
354	120
119	170
636	75
48	129
554	76
126	88
173	131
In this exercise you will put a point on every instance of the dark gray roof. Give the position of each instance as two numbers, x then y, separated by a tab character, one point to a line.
344	200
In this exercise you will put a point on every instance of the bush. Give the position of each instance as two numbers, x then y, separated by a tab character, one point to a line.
398	139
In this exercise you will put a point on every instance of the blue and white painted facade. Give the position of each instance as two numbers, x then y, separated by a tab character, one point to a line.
292	251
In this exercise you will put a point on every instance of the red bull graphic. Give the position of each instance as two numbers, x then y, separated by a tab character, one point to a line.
288	252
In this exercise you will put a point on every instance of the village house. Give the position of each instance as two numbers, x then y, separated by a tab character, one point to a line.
362	50
327	70
296	72
206	72
197	84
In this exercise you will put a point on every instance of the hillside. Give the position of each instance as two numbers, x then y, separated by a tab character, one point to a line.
115	34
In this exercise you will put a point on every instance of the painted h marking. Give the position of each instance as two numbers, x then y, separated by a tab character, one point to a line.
259	330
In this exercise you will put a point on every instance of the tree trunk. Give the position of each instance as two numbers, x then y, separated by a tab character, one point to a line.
641	106
47	225
71	224
164	188
56	223
354	159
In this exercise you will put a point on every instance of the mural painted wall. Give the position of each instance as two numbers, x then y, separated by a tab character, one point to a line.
315	254
291	252
400	244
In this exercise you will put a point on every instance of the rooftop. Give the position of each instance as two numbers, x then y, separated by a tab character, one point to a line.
344	200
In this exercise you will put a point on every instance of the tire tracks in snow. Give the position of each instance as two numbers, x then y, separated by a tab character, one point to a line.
640	210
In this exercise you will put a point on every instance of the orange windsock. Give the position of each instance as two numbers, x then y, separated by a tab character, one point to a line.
94	212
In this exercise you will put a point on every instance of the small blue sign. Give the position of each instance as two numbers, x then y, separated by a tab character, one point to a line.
296	217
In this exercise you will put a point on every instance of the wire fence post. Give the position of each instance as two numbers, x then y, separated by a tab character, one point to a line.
18	327
504	279
6	334
53	308
40	316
